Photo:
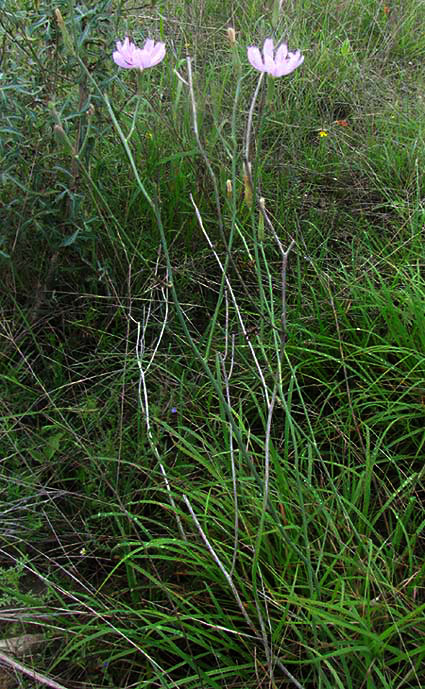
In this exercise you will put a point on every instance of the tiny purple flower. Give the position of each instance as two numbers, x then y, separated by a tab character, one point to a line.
129	56
276	65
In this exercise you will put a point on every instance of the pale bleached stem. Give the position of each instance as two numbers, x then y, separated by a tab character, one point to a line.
235	592
226	379
202	150
284	252
25	670
250	116
221	567
235	303
261	525
226	325
284	267
144	397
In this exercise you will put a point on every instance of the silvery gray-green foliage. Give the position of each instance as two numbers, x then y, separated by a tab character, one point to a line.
43	80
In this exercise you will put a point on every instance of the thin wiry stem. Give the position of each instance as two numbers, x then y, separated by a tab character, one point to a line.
235	303
25	670
283	268
179	311
236	595
226	378
255	564
250	117
226	325
227	243
261	203
143	392
202	149
221	567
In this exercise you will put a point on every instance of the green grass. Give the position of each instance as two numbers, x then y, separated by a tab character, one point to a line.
185	500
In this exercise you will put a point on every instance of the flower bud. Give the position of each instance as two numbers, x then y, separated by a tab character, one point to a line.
67	40
59	19
247	187
262	203
61	138
59	133
231	35
229	188
247	191
91	110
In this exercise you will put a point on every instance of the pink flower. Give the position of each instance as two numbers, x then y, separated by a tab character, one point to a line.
151	54
277	65
128	55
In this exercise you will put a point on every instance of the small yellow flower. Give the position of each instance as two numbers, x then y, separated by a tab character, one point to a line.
148	135
322	133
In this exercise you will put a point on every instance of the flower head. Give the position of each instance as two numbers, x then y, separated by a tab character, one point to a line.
128	55
152	53
277	64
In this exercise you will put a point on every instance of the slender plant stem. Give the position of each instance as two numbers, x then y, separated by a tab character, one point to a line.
25	670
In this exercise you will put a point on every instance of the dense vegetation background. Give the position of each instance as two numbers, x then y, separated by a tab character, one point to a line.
196	492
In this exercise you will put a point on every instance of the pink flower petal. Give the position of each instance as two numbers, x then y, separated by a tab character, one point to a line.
268	48
158	54
277	64
254	56
120	60
268	55
128	55
148	47
281	53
